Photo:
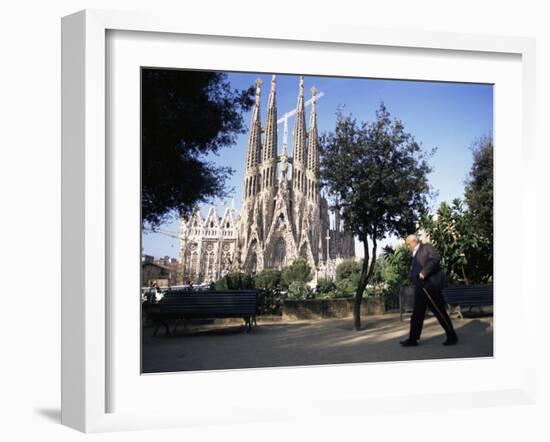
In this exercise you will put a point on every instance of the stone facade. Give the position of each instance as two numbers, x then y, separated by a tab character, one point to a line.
283	216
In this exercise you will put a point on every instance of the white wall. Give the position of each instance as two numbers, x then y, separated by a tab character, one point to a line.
30	221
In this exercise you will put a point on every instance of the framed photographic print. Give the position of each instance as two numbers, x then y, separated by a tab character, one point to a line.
225	192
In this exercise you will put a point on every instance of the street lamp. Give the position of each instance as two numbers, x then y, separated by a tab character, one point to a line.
328	253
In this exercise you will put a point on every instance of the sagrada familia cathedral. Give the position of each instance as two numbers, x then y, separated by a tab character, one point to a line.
284	216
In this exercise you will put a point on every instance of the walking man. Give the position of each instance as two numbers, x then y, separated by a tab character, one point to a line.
428	278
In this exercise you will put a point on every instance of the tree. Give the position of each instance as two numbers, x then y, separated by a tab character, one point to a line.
376	176
462	246
186	115
478	195
298	271
396	272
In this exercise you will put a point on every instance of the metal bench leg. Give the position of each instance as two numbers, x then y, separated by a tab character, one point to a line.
176	325
159	324
157	329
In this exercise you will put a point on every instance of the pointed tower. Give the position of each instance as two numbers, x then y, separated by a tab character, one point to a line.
299	165
299	147
270	143
268	167
313	152
251	182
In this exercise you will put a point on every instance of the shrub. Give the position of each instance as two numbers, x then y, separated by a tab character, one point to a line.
268	283
268	279
299	290
298	271
235	281
324	286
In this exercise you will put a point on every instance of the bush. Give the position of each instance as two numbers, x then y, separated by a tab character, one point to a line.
348	269
348	273
324	286
268	283
235	281
298	271
299	290
270	302
268	279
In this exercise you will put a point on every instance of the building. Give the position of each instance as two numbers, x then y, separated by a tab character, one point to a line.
155	274
284	216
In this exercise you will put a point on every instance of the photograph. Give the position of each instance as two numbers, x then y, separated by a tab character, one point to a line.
293	220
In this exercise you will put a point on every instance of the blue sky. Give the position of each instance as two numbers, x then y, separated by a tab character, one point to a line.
449	116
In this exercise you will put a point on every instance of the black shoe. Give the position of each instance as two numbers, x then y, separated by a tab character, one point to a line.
408	343
452	341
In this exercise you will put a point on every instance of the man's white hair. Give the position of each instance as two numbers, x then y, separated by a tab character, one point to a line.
413	237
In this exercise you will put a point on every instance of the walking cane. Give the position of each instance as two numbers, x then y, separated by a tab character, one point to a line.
437	308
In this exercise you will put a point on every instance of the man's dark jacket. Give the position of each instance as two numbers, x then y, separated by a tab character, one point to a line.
427	261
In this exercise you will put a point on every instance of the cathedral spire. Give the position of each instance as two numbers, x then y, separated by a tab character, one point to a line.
299	147
312	187
313	142
269	164
251	178
255	136
270	145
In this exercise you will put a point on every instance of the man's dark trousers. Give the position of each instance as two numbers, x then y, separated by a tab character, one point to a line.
421	300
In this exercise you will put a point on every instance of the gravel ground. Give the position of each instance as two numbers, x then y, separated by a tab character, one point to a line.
313	342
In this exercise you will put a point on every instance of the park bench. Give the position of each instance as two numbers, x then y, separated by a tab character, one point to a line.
181	305
456	296
461	295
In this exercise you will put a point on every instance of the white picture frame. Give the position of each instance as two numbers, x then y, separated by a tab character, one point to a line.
86	356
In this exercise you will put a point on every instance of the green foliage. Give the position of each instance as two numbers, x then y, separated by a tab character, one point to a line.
398	264
298	271
348	273
270	302
478	193
376	175
268	279
462	246
348	269
464	236
268	283
299	290
324	287
186	115
235	281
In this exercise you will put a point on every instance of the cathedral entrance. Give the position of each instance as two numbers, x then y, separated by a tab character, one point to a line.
279	254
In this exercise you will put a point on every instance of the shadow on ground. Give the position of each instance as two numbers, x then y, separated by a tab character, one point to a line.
318	342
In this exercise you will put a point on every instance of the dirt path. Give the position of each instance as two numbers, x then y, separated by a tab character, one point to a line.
299	343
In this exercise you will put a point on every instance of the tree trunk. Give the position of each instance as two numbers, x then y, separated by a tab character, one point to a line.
363	279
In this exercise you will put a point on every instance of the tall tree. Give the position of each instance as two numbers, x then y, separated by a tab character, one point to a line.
185	116
478	192
377	177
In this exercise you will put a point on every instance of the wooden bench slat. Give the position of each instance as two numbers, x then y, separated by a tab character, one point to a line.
179	305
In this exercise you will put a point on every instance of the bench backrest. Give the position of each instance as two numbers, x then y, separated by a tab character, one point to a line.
475	294
210	303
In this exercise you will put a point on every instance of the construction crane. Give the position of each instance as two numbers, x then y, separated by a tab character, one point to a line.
163	232
285	117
